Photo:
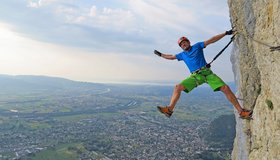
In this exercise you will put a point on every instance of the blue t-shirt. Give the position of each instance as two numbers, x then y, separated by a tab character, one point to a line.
194	58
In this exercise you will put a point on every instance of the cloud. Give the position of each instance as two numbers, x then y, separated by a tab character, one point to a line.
142	24
111	33
162	14
33	4
106	18
39	3
93	11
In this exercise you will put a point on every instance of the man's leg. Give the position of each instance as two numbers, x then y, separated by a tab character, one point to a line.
231	97
189	83
175	96
168	110
217	84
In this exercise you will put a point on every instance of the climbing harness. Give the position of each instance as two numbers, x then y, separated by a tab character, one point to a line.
203	72
209	64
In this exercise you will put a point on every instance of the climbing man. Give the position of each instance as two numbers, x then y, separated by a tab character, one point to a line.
193	57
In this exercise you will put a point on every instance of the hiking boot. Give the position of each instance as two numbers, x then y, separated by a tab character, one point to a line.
165	110
246	114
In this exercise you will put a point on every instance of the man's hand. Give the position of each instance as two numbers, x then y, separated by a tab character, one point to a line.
230	32
157	53
166	56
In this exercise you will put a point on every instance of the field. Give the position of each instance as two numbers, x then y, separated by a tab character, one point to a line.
63	119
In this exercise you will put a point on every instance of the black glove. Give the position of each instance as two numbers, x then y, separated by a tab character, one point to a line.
230	32
157	53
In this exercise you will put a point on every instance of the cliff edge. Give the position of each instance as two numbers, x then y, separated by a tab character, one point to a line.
257	75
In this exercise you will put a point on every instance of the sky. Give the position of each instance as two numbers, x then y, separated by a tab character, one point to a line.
109	40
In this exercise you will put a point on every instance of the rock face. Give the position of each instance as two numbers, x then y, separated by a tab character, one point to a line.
257	75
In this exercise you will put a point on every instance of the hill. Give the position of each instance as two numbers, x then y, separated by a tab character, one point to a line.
29	83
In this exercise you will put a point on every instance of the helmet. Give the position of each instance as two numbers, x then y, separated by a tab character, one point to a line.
180	40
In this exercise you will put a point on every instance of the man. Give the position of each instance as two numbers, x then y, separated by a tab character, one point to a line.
193	57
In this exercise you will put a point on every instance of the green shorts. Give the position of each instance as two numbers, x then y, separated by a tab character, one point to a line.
203	76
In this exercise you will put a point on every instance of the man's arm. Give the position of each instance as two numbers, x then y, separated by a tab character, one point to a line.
166	56
217	37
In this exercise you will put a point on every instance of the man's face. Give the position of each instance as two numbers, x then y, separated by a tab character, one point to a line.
185	45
